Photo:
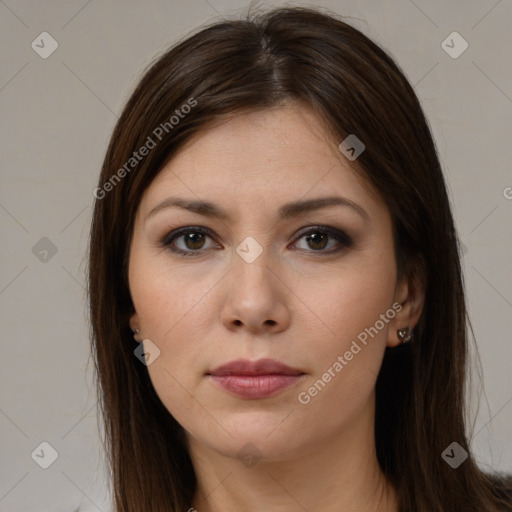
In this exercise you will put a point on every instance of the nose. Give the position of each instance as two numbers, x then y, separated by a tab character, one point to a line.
256	298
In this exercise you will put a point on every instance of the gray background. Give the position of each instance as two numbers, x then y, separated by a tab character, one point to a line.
57	116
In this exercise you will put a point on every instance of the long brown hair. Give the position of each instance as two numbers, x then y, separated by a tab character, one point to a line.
355	87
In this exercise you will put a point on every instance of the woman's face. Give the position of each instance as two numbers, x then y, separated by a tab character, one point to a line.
254	275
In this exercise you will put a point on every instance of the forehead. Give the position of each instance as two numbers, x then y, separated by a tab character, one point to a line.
282	153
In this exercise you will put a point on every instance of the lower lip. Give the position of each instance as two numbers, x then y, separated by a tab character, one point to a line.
255	386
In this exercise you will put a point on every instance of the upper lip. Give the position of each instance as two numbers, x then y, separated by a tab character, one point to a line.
259	367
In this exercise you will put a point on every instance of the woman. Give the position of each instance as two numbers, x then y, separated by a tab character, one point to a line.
277	307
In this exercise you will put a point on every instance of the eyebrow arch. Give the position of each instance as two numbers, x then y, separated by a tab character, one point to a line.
287	211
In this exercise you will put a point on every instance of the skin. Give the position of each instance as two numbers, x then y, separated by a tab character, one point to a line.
297	303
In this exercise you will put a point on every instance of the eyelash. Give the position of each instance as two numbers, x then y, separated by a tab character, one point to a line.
343	239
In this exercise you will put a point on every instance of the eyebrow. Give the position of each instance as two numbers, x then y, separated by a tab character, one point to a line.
287	211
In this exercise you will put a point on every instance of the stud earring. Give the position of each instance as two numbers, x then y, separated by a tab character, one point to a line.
405	334
135	332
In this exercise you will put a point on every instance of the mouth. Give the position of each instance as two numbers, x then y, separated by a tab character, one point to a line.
254	379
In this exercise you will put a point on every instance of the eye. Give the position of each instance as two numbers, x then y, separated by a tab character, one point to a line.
192	240
317	239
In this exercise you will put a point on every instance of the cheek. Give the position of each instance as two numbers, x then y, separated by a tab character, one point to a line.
168	318
169	298
172	307
347	300
350	308
179	327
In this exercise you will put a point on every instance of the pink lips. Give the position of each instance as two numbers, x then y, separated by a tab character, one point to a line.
254	379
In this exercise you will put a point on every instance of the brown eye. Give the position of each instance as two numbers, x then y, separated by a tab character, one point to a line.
189	241
319	239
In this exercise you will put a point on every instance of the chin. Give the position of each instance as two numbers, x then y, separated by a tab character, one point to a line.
250	442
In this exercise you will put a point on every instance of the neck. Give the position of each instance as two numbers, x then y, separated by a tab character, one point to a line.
335	472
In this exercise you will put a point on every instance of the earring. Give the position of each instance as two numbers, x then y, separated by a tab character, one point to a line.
404	334
135	332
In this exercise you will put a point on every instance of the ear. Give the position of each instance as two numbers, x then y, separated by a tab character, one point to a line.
134	322
410	294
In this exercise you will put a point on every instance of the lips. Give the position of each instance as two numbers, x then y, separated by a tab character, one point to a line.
259	367
254	379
